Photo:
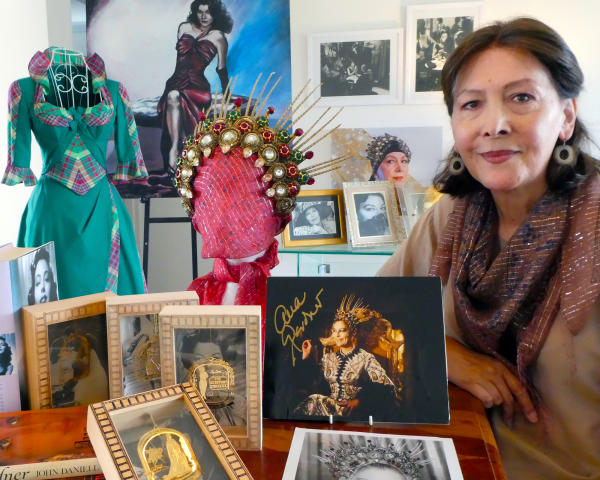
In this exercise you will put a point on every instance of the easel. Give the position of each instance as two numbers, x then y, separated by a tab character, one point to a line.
148	220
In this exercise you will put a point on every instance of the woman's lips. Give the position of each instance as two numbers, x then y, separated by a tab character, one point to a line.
498	156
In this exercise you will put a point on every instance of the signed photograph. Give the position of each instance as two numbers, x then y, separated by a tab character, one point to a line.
345	349
341	455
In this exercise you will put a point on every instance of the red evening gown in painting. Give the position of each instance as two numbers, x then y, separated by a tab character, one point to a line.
193	56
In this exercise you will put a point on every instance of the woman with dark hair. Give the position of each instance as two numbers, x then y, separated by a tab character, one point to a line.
310	220
516	245
6	367
43	285
199	39
372	214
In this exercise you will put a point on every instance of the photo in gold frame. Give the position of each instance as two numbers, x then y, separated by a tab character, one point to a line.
165	433
218	349
133	339
318	219
66	350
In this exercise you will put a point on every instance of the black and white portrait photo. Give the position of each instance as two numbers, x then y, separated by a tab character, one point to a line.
317	219
37	276
214	361
78	361
338	455
140	353
7	353
355	68
371	213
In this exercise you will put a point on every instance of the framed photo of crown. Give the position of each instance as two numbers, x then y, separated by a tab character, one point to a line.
372	212
67	354
357	68
318	219
218	350
165	433
348	349
359	455
133	339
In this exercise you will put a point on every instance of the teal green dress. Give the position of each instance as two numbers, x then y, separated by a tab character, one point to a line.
73	203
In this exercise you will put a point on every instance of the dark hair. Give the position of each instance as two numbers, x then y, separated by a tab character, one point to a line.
6	356
221	18
321	207
42	254
548	47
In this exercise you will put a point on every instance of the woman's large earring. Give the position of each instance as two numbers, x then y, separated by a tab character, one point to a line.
564	155
456	165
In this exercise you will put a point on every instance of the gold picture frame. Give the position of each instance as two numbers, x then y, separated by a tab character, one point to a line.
66	351
218	347
165	433
372	211
133	339
318	219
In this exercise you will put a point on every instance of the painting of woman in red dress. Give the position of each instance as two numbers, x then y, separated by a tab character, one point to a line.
187	92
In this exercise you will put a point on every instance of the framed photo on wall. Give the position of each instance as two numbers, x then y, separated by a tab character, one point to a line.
357	68
164	433
133	339
432	32
218	350
67	354
318	219
372	213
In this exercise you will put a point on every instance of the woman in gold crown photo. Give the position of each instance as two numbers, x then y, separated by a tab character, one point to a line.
515	242
353	374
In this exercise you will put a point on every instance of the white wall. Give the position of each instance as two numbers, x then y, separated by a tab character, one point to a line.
170	265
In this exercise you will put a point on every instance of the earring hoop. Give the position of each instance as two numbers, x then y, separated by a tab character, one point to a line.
456	165
564	155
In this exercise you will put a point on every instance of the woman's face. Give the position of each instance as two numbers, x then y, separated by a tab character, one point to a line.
372	206
395	167
341	334
506	120
444	36
41	281
205	19
2	345
312	216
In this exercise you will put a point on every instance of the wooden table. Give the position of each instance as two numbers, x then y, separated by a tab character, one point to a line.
469	428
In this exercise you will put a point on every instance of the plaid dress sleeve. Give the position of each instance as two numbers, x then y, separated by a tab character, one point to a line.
19	140
130	163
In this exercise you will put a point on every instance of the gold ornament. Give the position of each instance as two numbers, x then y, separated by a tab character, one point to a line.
214	380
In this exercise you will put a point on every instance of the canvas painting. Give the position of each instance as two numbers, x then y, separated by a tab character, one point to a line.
350	349
177	54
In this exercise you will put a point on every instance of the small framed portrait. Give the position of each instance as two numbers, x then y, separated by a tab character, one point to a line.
432	32
67	354
372	213
318	219
350	350
37	280
168	433
218	349
133	339
325	454
357	68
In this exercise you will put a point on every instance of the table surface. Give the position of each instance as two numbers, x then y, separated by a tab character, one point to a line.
469	428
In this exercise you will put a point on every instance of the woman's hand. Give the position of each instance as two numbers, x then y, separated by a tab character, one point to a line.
348	405
306	348
489	380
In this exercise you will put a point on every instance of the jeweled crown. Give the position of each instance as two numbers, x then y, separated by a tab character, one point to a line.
349	457
353	311
276	150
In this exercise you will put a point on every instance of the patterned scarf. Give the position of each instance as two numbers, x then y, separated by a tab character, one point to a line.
551	263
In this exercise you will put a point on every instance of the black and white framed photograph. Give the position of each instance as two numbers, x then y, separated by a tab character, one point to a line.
346	455
8	348
318	219
133	339
432	32
67	353
357	68
217	349
168	433
37	280
372	211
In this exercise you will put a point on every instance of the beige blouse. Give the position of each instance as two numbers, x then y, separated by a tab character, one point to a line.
566	444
